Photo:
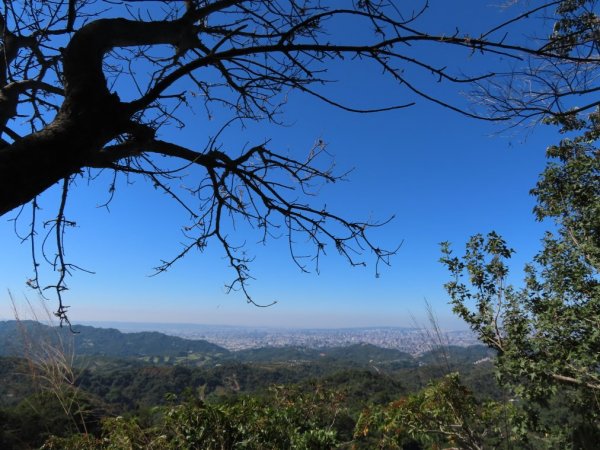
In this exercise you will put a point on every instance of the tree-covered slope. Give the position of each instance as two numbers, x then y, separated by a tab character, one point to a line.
17	336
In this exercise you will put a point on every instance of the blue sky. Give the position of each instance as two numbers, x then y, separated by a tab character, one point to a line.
443	176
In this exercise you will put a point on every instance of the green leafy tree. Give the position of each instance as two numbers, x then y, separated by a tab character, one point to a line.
547	333
547	330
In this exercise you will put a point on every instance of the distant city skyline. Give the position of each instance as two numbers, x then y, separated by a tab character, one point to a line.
413	340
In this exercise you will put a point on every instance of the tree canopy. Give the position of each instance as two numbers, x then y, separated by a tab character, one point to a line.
98	84
546	329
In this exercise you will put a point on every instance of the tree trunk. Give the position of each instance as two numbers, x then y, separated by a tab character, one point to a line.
31	165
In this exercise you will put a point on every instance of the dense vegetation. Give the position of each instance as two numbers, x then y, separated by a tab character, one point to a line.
359	396
264	398
546	330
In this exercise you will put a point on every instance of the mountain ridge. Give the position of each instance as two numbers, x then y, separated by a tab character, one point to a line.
19	337
16	336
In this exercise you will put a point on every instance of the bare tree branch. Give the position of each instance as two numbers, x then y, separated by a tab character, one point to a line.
70	72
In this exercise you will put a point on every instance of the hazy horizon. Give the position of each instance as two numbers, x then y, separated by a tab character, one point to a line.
323	323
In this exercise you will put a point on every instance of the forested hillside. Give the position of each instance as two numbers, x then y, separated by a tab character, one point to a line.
86	340
343	397
328	388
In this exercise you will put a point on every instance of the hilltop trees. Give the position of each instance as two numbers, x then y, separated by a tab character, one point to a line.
98	86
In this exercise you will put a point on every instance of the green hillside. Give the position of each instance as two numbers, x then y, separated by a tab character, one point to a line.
16	336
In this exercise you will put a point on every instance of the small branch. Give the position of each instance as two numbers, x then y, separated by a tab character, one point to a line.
570	380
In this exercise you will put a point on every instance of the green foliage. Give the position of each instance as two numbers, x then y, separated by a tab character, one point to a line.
357	354
569	192
15	383
31	422
547	333
127	388
327	400
443	414
284	420
576	29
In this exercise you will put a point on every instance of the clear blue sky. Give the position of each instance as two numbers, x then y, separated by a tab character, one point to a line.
444	177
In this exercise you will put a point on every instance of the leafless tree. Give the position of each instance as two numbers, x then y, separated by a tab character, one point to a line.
560	81
68	66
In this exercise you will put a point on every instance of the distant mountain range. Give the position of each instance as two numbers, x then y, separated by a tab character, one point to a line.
18	338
